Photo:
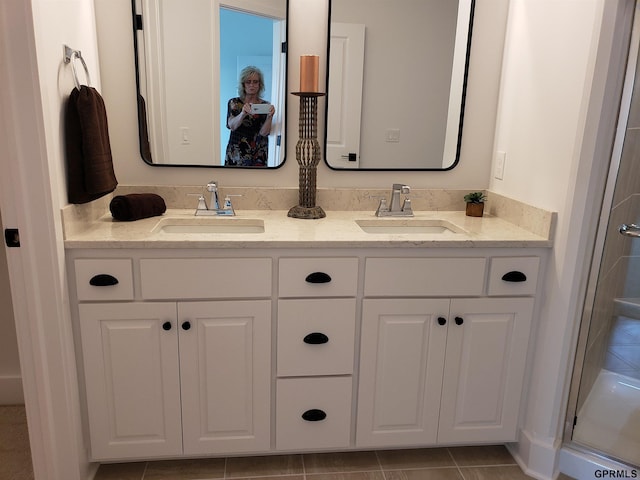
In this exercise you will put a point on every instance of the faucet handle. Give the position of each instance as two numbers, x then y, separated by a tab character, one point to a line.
406	207
227	199
202	203
228	207
382	207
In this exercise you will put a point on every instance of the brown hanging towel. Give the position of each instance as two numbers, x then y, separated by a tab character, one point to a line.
90	172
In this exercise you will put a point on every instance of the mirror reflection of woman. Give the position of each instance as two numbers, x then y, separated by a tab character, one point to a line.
248	141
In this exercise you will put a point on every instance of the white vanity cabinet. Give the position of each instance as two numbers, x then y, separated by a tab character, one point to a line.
315	345
442	370
204	351
168	378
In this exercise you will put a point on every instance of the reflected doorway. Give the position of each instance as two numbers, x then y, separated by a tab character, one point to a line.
238	51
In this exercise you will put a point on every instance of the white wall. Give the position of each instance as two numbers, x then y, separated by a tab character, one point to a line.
544	81
307	35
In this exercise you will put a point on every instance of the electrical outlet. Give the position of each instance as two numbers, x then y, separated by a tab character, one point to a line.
500	159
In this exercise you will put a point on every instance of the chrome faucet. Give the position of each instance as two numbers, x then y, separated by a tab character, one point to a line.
394	209
212	187
214	205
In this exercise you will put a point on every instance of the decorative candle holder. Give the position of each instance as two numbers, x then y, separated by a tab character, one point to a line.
308	157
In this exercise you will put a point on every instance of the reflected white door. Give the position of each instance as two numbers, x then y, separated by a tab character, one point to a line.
346	64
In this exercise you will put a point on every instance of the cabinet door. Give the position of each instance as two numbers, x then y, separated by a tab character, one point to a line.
132	379
484	369
225	362
401	362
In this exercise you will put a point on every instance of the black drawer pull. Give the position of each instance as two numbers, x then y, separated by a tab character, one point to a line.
166	326
316	338
318	277
186	325
442	321
103	280
459	320
314	415
514	276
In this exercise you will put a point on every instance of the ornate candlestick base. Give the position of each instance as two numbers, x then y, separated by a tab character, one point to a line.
311	213
308	157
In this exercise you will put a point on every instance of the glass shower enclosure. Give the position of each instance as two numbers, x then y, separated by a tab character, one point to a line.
604	403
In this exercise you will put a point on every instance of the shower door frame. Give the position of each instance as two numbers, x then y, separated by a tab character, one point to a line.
599	242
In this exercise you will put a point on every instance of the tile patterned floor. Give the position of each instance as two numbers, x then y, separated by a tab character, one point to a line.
459	463
15	454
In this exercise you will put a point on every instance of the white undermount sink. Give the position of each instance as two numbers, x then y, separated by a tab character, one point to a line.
407	225
209	225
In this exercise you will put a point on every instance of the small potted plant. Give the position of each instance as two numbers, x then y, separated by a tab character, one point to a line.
475	203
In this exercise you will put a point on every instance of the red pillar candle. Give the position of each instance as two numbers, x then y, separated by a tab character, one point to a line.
309	68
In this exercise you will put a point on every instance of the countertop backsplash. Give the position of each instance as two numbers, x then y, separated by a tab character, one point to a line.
535	220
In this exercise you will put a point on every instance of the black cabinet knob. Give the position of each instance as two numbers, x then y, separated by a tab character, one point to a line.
186	325
459	320
166	326
316	338
103	280
314	415
442	321
318	277
514	276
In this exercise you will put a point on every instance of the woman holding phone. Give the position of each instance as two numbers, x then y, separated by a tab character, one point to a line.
249	118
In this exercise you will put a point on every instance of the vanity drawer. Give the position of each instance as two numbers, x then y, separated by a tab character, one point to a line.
104	279
316	337
513	275
318	277
313	413
189	278
419	277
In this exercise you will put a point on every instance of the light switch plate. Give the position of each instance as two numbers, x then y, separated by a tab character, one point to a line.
392	135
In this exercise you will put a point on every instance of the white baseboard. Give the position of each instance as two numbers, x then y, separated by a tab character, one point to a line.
537	458
11	390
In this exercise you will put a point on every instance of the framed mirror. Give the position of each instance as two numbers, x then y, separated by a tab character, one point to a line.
199	65
396	83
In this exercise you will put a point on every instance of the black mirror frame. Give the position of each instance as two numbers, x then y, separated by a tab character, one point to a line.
461	121
143	139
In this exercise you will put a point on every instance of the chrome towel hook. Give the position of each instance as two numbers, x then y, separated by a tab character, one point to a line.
69	56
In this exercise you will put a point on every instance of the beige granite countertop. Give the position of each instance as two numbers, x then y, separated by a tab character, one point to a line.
337	230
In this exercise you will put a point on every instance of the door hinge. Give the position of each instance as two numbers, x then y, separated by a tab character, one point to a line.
279	140
283	47
575	420
12	237
138	22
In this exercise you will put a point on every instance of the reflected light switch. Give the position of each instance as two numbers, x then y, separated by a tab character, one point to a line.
184	135
393	135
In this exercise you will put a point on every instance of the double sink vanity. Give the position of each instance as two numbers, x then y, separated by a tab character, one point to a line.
259	333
